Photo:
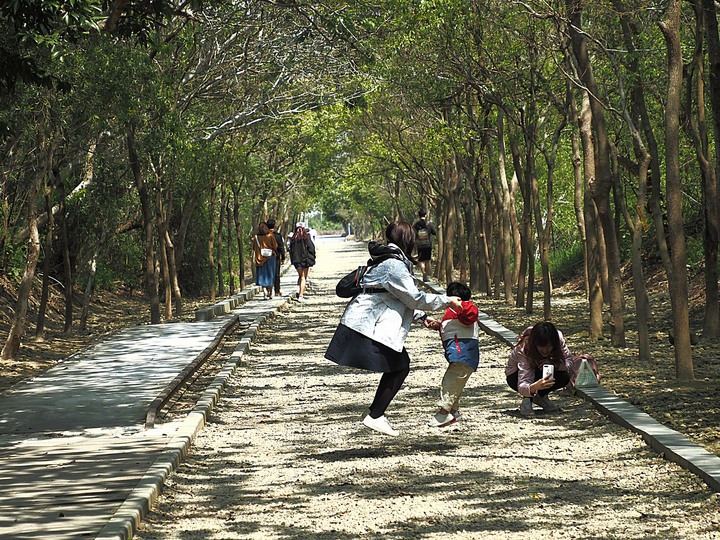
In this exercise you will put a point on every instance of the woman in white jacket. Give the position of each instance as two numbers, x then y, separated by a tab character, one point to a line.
374	326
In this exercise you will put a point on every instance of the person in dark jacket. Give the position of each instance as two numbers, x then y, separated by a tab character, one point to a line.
302	256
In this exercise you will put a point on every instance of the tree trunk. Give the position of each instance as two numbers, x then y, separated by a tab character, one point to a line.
635	225
65	247
146	206
50	225
161	226
185	217
17	325
90	285
238	238
211	238
482	252
176	292
474	225
229	228
545	232
450	216
578	186
593	250
713	51
524	228
678	285
508	218
220	231
530	238
603	178
699	134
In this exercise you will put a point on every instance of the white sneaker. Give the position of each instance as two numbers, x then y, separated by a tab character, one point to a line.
380	424
526	408
441	420
301	299
545	403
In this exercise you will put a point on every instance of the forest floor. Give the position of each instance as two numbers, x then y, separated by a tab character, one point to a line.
284	454
690	407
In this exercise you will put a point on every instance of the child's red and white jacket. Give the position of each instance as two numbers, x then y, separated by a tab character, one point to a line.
460	324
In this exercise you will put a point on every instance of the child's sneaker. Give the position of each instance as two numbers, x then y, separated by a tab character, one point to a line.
441	420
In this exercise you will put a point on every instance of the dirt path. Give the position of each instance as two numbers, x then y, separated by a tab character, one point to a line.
285	456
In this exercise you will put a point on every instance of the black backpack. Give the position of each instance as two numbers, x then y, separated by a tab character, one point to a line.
351	284
422	234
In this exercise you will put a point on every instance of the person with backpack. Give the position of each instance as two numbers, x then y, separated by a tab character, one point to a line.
374	326
537	365
280	259
302	256
424	231
264	255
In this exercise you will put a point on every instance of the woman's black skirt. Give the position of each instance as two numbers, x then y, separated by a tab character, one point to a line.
352	349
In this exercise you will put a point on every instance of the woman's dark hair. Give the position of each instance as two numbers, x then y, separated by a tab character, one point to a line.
263	228
542	334
299	234
403	236
455	288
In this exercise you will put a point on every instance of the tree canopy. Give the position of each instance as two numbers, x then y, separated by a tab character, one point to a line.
143	142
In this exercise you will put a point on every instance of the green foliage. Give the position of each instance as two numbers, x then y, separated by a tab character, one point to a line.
566	263
37	32
356	117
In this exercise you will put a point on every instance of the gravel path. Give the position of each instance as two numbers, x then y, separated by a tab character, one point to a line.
285	456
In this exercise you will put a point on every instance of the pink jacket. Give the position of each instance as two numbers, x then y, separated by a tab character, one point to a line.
519	361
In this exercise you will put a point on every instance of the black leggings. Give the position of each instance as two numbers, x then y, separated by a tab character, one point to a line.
562	379
390	384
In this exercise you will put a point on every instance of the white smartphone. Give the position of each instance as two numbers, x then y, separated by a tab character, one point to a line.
549	369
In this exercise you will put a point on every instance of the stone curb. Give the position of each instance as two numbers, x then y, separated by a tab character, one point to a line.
226	306
671	444
126	520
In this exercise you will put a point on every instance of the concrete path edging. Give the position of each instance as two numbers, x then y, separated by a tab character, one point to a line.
126	520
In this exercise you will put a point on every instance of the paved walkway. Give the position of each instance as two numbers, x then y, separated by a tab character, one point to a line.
73	446
75	459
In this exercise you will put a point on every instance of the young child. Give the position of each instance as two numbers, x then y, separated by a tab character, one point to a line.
459	335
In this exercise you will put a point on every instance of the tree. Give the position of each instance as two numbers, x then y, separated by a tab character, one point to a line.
670	28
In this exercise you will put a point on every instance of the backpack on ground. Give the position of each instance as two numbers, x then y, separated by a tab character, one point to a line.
584	372
423	238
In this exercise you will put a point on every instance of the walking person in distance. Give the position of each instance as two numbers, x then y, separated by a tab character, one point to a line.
302	256
280	259
424	231
265	254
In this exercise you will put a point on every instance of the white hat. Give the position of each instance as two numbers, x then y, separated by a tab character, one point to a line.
299	224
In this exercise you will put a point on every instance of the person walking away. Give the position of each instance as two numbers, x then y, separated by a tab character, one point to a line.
302	256
280	260
265	254
373	328
538	365
459	332
424	231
